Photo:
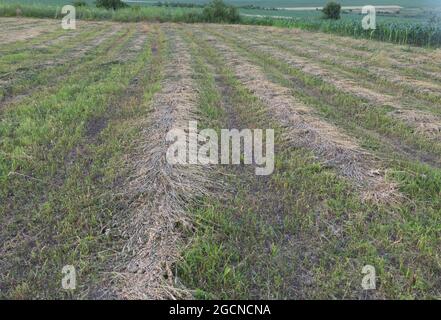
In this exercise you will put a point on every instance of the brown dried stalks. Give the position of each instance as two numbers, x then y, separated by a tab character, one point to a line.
353	87
303	129
26	29
159	192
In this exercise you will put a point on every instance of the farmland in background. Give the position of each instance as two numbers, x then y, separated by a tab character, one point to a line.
280	3
411	10
418	25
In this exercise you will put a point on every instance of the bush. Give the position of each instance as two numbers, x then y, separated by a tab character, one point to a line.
217	11
332	10
79	3
110	4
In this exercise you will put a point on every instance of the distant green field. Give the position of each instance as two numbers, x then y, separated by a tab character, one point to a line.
412	26
273	3
406	15
413	11
313	3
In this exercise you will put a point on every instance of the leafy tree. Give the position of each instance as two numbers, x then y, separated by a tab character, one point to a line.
218	11
79	3
332	10
110	4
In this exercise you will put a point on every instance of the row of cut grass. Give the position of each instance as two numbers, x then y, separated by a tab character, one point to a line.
363	76
74	159
346	110
16	46
316	246
31	56
47	67
312	46
41	84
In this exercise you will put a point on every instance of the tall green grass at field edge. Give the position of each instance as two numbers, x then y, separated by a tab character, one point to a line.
406	33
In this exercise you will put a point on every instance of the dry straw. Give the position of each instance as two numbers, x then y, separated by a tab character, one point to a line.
160	193
304	129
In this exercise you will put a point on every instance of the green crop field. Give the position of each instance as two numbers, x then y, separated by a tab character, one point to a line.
90	117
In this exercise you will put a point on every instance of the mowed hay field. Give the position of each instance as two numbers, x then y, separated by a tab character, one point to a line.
83	179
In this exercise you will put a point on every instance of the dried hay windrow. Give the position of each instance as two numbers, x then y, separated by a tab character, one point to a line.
160	192
26	29
305	130
378	61
425	123
401	54
77	52
313	69
135	45
83	25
